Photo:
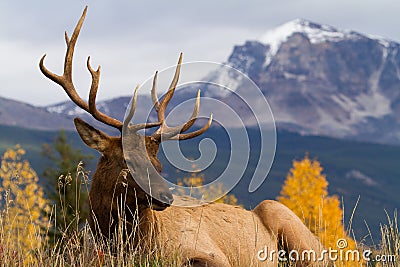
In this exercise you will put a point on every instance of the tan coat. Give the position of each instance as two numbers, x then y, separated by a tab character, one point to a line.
224	235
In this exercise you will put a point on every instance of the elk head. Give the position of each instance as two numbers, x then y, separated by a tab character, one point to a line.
140	153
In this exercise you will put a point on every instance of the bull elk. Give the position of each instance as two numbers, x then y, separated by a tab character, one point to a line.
209	235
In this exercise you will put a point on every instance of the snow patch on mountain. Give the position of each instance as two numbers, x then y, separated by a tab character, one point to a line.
76	111
383	41
226	78
57	108
316	33
67	108
372	104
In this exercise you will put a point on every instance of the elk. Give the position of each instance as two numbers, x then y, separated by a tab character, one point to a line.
214	234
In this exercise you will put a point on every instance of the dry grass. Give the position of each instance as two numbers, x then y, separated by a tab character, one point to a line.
390	242
78	247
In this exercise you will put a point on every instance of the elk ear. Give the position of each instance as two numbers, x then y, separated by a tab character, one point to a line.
91	136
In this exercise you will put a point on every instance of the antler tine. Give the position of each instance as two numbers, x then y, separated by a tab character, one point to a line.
170	92
66	38
196	133
169	132
137	127
154	93
71	47
133	106
92	99
195	113
94	87
65	81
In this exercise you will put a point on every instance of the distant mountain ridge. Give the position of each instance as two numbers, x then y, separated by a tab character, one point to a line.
15	113
318	80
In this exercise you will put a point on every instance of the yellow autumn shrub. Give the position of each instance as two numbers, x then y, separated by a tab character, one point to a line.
197	179
305	192
22	223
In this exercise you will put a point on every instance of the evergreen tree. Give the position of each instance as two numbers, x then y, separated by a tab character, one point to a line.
67	183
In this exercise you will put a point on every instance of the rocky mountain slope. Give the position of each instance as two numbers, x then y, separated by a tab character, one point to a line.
324	81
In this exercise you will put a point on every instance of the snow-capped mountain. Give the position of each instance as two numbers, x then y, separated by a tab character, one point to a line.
325	81
317	79
316	33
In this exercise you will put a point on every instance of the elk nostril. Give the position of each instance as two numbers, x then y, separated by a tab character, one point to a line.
166	198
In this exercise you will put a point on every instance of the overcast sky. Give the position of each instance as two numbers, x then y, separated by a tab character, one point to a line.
132	39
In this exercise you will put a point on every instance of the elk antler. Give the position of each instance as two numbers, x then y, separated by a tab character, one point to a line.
175	133
65	81
164	132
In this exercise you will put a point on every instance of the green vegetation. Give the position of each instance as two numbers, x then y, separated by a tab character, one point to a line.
32	141
65	193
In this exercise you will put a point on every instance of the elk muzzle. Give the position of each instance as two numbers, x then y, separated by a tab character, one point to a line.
149	180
